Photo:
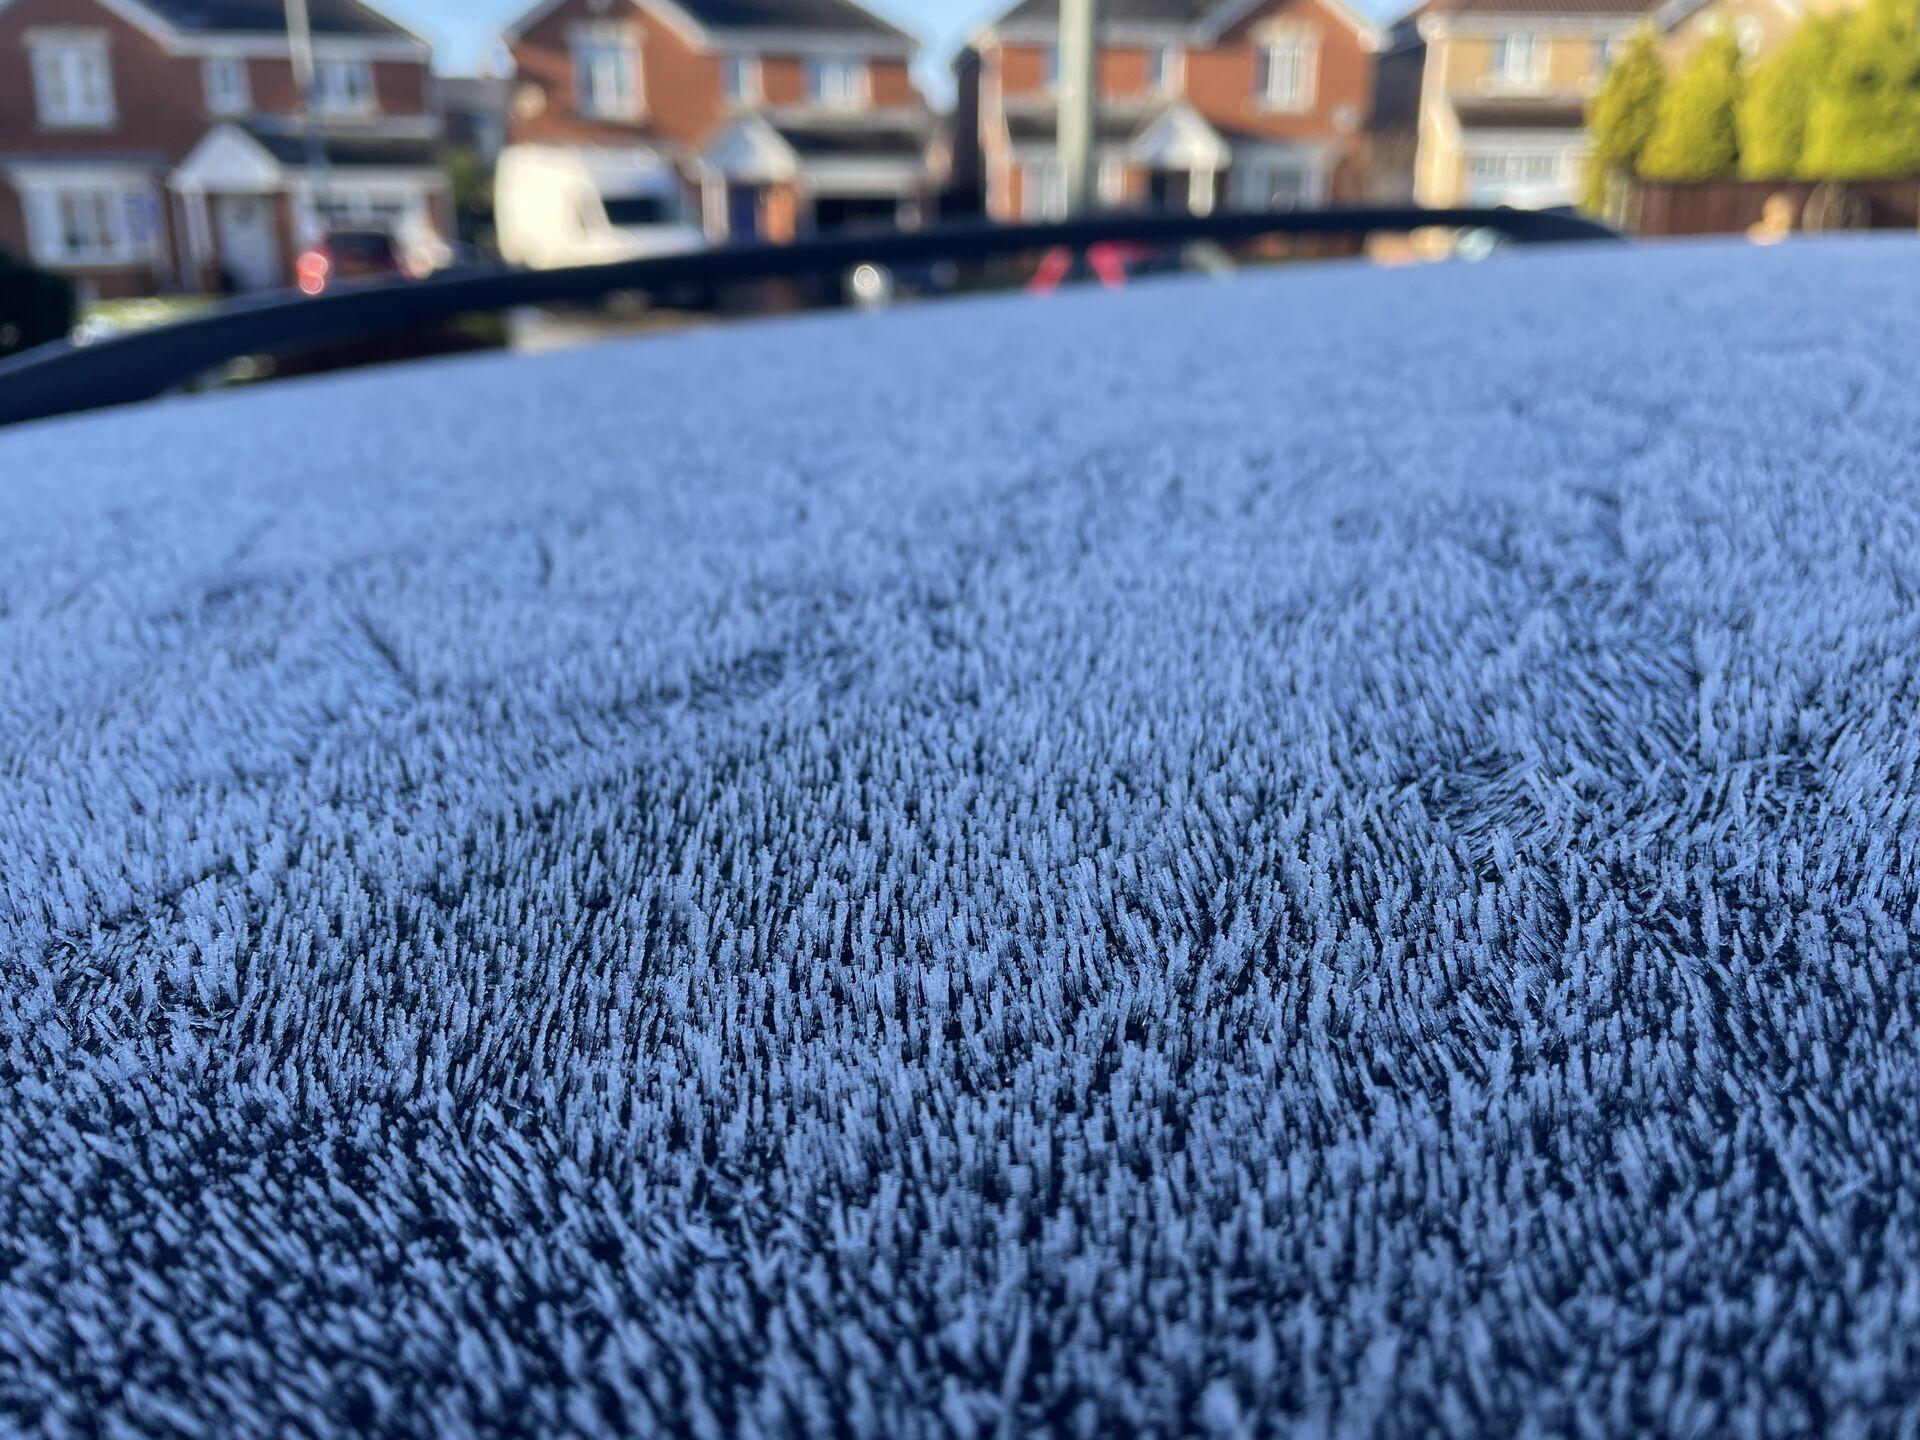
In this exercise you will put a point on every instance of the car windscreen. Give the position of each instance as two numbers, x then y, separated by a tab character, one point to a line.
627	210
363	247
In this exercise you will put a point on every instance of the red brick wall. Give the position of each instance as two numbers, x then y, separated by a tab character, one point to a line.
160	98
157	96
1023	70
680	84
783	79
892	83
1220	80
399	87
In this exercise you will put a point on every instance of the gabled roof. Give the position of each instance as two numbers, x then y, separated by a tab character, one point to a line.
1205	20
1553	9
721	19
187	26
1117	12
269	17
842	17
236	155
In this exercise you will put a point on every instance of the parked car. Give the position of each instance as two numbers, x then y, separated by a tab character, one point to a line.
345	255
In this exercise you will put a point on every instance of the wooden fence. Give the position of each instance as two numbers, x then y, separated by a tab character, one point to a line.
1730	207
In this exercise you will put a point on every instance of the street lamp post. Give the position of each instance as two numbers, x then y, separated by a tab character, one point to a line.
300	47
1079	102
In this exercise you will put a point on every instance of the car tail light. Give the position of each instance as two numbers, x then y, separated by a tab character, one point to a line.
312	270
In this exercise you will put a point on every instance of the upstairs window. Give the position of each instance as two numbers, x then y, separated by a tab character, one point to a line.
224	78
1043	191
839	84
342	87
740	78
606	73
72	80
1518	59
1163	70
1284	72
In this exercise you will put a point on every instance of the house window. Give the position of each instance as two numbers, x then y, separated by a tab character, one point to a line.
72	80
1269	185
1284	72
1495	175
606	73
342	87
91	222
1163	70
1043	191
840	84
1517	59
740	75
224	77
1050	67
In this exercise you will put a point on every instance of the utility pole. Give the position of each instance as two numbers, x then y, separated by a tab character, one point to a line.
300	47
1079	102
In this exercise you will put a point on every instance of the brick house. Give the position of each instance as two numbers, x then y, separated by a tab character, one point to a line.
1506	83
781	116
158	145
1251	103
1504	96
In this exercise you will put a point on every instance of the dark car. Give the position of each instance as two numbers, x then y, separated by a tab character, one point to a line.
346	255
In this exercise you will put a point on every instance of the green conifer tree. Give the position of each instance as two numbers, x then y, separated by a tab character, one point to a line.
1693	136
1771	118
1621	115
1864	120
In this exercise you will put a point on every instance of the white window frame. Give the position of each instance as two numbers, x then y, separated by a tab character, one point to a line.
1254	183
72	79
1043	190
606	58
330	97
59	208
854	93
228	89
1495	173
1292	71
741	79
1517	60
1170	61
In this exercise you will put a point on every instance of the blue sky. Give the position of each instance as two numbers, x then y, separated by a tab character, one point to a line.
464	31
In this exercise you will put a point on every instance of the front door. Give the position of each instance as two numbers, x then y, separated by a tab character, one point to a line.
743	212
1169	190
249	242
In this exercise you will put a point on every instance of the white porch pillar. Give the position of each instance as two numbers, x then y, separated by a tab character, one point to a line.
1200	189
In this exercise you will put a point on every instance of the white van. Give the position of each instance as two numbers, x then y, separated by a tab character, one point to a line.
557	205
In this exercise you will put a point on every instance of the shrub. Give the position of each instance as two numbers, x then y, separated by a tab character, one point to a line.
1693	133
1864	121
1771	117
35	307
1620	117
